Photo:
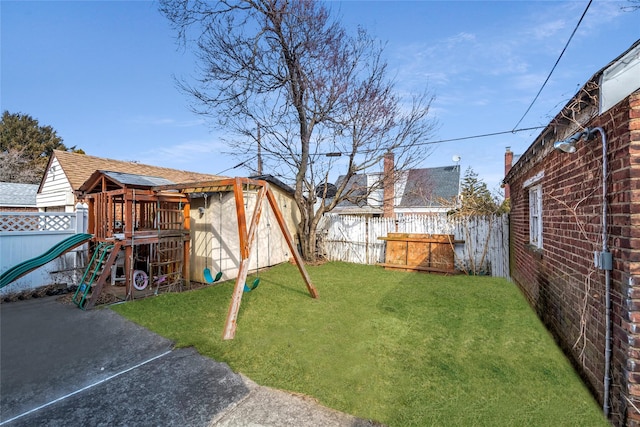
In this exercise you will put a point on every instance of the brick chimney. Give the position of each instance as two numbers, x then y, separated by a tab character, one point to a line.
388	186
508	162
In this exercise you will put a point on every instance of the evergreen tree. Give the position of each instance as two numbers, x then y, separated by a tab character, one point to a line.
25	148
476	199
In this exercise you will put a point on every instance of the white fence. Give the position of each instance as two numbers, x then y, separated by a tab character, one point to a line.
17	222
355	239
25	235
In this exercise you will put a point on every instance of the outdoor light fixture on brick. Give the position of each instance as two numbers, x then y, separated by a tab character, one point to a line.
569	145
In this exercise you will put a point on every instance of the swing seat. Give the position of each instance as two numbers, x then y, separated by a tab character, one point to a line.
209	277
253	286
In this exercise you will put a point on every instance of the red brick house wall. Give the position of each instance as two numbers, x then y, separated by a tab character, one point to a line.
560	280
628	332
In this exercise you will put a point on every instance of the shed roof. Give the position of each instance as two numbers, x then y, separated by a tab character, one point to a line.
275	181
17	194
79	167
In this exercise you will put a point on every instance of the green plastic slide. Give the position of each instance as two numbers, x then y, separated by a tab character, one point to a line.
27	266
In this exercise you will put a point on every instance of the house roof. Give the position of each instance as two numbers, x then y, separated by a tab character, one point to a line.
357	183
79	167
430	186
414	188
18	195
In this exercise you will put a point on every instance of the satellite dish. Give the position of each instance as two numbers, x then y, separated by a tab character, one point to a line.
456	158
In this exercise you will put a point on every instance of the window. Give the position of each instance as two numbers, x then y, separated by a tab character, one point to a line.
535	216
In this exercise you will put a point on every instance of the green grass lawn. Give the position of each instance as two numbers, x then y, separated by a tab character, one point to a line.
404	349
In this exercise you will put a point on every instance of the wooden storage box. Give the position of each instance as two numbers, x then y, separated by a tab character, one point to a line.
420	252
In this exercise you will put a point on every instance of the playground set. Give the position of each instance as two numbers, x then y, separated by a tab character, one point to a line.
140	228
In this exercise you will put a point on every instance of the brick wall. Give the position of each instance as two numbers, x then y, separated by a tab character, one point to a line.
14	209
560	280
627	333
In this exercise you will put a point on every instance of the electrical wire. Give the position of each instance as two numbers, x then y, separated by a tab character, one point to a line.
554	66
462	138
236	166
514	130
484	135
366	151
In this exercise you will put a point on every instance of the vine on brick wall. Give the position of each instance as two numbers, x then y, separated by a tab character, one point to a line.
581	225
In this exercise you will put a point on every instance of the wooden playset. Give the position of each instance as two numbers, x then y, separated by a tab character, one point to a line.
141	225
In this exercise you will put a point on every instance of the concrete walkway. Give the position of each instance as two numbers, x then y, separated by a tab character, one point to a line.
61	366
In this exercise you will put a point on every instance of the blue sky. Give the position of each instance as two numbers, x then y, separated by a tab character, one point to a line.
101	72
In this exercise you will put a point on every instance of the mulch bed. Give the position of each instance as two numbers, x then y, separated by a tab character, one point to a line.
41	292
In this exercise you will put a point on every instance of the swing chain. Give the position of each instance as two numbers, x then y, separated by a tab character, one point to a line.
220	232
206	241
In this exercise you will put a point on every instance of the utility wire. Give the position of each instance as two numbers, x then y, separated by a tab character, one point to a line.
484	135
554	66
339	153
236	166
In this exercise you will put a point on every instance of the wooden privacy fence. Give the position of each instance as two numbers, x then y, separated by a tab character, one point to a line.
356	239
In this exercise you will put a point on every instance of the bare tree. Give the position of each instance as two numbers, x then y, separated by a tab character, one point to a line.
15	166
632	6
320	98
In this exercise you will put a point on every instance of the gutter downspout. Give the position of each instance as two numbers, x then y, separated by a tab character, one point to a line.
605	262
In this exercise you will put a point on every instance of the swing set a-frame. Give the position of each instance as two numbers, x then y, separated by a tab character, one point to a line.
247	235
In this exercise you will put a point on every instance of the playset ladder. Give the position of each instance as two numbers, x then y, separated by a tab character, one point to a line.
96	274
167	264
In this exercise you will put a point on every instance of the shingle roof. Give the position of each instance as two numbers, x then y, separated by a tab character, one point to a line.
424	187
358	197
79	167
18	195
430	186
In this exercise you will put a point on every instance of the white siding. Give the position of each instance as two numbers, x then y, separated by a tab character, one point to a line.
215	241
56	190
376	196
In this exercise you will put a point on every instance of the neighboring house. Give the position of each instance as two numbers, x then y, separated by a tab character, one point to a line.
66	172
15	197
393	193
575	233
